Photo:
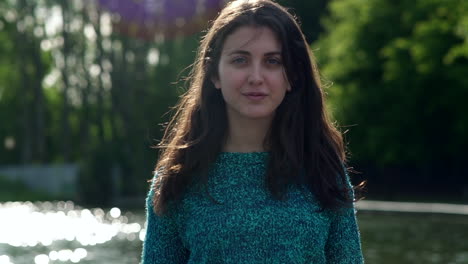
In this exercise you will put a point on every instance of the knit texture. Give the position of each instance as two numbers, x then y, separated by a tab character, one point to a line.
249	226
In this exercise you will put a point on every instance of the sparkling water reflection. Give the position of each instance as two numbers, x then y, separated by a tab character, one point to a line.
4	259
61	232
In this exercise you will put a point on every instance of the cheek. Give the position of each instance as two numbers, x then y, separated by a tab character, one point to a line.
232	79
280	82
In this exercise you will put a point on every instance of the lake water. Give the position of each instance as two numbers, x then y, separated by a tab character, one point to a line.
414	238
61	232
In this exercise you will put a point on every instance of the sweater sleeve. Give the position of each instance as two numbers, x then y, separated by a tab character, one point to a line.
344	243
162	243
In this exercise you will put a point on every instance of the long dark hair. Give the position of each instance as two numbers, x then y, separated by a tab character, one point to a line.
305	148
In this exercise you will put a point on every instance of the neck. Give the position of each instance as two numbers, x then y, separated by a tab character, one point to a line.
246	135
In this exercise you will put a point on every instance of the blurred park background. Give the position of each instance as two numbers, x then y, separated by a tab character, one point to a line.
85	88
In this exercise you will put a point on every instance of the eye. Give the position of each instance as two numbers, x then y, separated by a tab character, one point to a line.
239	60
274	61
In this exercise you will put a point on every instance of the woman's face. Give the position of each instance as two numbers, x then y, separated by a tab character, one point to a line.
251	74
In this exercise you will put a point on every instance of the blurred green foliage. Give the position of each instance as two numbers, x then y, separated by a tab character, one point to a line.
399	71
72	91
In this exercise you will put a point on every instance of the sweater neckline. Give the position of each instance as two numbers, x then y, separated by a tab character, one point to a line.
242	158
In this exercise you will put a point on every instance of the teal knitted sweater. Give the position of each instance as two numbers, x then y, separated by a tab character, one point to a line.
249	226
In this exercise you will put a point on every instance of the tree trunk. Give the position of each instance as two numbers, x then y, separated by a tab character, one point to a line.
100	91
25	122
65	125
85	91
39	126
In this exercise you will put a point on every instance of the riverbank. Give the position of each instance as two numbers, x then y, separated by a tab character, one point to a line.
412	207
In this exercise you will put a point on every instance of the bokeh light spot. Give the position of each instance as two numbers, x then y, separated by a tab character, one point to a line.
115	212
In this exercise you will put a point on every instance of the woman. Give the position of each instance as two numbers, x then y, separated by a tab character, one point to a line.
251	169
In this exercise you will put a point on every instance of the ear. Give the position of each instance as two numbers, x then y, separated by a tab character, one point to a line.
288	88
216	82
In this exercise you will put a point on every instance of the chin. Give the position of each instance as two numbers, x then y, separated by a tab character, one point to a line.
259	115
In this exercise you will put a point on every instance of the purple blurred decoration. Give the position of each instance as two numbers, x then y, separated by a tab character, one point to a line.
145	18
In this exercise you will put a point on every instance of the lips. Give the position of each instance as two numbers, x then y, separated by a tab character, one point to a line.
256	96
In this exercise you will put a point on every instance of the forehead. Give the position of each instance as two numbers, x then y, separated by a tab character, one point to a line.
253	39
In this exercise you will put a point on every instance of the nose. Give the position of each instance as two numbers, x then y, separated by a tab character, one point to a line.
256	75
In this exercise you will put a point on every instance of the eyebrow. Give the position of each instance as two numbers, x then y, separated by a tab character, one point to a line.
248	53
